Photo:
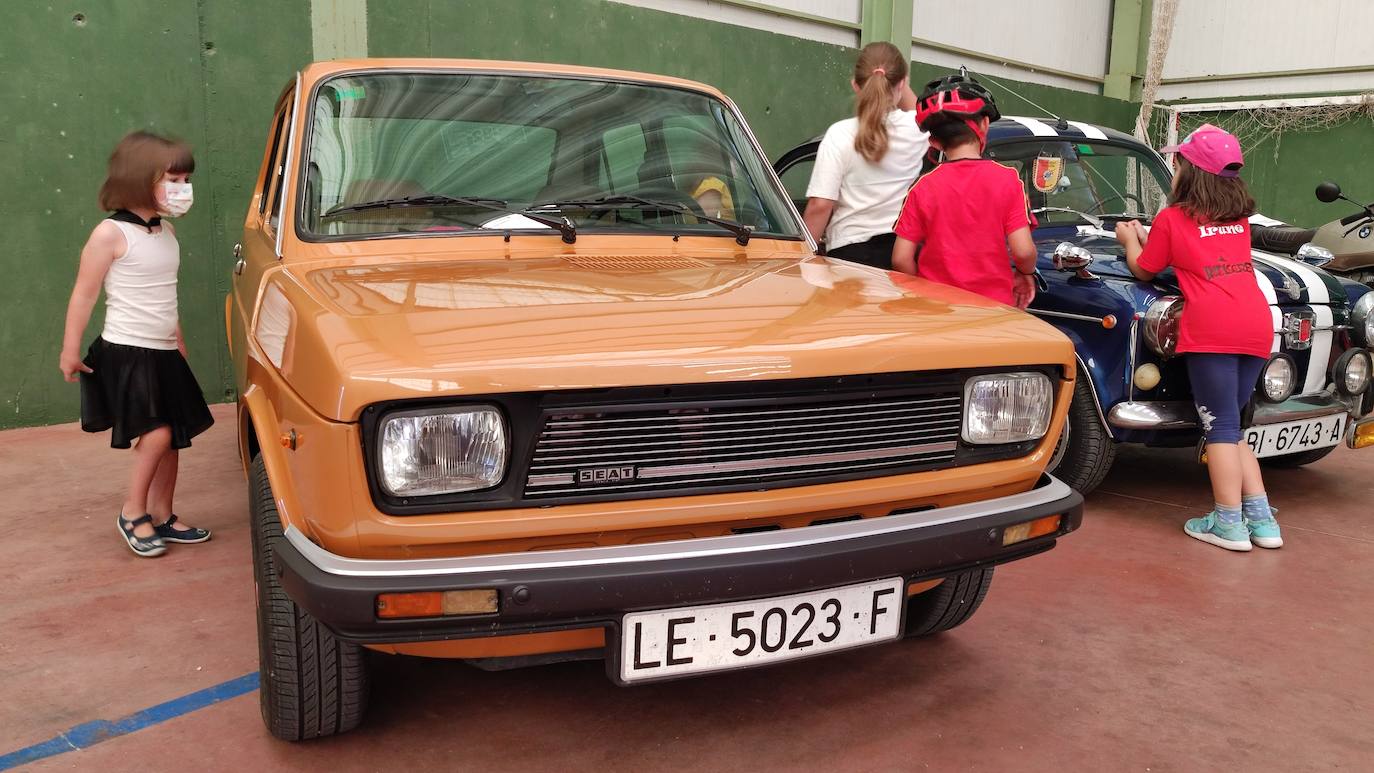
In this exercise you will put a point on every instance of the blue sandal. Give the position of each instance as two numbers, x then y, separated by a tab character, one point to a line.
188	536
146	547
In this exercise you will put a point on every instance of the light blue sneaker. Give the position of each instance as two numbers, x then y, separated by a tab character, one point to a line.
1265	533
1232	536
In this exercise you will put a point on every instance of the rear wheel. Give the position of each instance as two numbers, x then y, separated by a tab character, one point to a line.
948	604
1085	451
312	684
1299	459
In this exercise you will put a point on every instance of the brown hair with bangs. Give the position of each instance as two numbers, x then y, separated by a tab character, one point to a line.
137	163
1208	198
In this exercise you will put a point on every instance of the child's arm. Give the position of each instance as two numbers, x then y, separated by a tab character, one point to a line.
104	245
1131	236
817	217
1022	248
904	256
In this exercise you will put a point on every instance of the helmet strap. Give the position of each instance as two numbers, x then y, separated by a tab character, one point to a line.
979	132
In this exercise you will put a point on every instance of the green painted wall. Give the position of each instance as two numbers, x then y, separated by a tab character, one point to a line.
1283	171
76	76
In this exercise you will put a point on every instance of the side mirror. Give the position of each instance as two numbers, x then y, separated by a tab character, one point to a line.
1328	191
1313	255
1069	257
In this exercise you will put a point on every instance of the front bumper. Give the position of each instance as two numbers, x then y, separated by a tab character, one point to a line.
584	587
1182	414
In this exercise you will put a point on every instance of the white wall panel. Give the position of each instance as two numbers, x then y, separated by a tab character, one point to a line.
1068	35
839	10
1220	37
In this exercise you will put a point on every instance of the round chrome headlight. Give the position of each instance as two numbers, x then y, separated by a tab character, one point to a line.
1278	380
1362	320
1352	372
1161	324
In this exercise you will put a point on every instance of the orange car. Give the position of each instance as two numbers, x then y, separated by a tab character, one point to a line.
508	394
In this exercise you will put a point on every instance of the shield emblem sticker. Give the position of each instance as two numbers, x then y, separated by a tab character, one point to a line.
1049	170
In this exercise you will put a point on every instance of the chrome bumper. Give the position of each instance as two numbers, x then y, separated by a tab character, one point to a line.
1181	414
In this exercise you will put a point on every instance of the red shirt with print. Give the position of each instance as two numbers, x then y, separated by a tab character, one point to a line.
959	215
1225	310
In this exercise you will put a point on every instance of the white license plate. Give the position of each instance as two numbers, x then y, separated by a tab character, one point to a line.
693	640
1294	436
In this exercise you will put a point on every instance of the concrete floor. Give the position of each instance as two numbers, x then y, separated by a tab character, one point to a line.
1129	646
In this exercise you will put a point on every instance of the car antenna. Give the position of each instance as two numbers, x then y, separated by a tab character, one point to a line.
1063	124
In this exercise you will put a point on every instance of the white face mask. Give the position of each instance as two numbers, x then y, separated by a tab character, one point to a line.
178	198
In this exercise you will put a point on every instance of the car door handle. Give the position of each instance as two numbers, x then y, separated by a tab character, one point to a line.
239	262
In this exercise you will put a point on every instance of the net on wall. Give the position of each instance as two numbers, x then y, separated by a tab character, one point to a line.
1262	126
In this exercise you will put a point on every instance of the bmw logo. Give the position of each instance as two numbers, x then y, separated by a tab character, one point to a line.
1364	232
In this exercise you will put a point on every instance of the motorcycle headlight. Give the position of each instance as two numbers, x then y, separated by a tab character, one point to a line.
1362	320
1161	324
1007	408
442	450
1352	372
1279	378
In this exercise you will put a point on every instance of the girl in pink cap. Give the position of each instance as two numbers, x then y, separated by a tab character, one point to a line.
1226	332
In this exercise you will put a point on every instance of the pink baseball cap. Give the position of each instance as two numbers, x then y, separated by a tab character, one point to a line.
1211	149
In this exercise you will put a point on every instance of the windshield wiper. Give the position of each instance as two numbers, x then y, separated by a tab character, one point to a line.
741	231
1096	223
1127	216
564	225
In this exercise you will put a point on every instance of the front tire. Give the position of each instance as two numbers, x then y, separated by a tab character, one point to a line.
1086	450
1300	459
312	684
947	605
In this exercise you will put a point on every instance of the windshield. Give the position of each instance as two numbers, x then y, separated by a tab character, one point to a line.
487	153
1065	180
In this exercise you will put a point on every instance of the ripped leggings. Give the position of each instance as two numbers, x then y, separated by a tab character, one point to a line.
1222	386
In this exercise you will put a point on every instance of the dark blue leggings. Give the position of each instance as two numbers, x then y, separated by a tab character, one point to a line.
1222	386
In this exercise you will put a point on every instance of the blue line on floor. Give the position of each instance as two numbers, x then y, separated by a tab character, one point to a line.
92	733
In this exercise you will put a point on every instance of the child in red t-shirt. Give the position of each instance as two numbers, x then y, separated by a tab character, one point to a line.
1226	331
967	223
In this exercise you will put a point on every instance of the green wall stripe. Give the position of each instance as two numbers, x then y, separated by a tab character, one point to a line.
338	29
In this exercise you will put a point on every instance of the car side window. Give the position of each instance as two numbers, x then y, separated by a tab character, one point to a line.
276	172
269	171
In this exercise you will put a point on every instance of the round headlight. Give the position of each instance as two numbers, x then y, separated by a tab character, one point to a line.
1352	372
1161	324
1277	381
1362	320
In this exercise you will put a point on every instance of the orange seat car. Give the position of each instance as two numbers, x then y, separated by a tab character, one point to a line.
507	394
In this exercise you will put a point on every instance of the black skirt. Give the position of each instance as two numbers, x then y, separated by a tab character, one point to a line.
134	390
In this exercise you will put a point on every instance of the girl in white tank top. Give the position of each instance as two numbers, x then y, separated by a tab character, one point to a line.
134	377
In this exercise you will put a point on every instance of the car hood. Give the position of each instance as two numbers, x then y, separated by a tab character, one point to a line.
1284	280
348	336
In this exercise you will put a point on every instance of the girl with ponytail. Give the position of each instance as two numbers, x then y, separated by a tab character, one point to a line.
866	163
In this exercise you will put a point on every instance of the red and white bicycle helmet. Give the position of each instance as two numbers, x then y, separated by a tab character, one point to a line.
956	98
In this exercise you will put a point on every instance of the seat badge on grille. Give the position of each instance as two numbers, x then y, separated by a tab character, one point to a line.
598	476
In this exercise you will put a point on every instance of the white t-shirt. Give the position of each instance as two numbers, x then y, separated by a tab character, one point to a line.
868	197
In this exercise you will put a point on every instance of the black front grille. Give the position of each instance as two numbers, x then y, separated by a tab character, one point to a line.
664	450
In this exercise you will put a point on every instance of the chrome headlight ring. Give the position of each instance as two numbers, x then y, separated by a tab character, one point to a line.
1279	379
1352	372
1362	320
1161	324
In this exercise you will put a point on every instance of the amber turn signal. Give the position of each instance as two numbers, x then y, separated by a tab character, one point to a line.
1364	435
437	603
1030	530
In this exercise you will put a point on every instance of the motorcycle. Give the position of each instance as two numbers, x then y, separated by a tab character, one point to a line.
1344	246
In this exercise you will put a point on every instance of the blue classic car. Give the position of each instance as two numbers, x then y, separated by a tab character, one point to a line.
1315	392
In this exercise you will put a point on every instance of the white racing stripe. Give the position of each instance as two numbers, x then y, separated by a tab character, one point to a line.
1321	350
1089	131
1278	323
1267	287
1038	128
1316	288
